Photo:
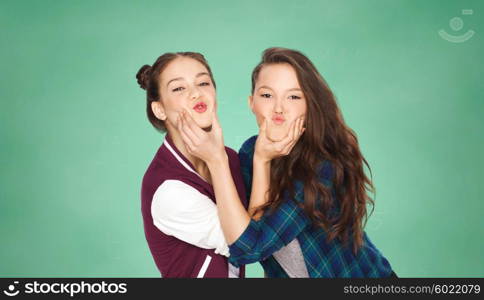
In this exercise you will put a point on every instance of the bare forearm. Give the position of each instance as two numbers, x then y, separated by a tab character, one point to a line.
260	186
232	214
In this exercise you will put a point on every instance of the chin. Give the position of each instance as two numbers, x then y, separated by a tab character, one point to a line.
276	134
207	129
204	123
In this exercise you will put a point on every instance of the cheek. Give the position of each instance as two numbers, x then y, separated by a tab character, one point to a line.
262	109
173	106
210	94
175	102
300	108
304	109
258	116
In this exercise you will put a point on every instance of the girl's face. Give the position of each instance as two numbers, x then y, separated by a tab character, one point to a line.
278	98
185	84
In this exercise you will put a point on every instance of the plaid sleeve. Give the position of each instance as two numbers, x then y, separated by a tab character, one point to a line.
273	231
246	154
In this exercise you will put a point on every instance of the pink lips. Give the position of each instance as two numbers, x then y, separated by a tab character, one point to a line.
200	107
278	120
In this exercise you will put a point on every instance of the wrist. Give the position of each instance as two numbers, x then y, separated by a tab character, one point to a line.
217	160
260	160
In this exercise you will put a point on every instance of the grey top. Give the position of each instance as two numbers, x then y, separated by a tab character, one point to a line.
291	259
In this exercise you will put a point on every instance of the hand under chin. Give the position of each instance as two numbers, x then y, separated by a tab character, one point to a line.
276	133
204	123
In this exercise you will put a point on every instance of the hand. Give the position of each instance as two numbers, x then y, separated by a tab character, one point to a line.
266	150
208	146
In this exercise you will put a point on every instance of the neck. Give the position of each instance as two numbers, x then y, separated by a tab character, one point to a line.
199	165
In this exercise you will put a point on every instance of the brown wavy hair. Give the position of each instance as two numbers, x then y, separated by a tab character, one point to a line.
326	138
148	78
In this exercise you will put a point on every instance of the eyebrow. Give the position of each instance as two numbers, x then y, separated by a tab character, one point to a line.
264	87
289	90
181	78
174	79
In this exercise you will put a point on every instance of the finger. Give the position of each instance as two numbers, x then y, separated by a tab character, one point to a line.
288	138
293	128
291	137
194	138
294	138
295	132
215	120
299	130
178	122
190	122
182	130
263	128
286	150
301	127
186	139
187	142
191	126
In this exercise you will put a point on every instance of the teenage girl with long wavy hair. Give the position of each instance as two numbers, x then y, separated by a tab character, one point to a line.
305	174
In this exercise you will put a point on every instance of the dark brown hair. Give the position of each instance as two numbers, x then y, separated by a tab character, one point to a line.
326	137
149	79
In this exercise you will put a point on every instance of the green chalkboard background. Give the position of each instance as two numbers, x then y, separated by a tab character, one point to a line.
75	141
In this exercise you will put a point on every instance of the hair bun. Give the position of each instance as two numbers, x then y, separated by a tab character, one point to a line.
143	76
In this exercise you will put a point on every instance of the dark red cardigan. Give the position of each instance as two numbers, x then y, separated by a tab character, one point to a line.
173	257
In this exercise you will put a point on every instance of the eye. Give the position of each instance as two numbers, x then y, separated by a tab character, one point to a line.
294	97
204	83
180	88
266	95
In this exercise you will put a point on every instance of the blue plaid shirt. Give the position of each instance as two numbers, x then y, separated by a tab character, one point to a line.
276	229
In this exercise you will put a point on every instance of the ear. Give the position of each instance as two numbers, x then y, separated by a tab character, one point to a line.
158	110
250	101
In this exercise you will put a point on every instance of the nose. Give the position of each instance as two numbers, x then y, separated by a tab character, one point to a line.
278	107
194	93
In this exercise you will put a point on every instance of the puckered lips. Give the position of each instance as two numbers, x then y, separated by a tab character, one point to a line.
200	107
278	120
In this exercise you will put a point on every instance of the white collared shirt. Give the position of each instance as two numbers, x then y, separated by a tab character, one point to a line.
181	211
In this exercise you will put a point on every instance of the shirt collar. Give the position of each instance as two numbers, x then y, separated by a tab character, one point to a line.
168	142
